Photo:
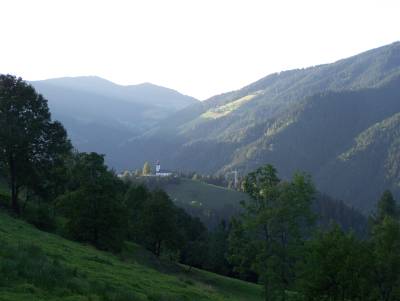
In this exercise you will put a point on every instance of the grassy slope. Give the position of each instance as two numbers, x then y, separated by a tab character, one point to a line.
144	282
202	194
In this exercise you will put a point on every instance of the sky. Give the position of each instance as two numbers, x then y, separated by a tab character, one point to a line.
200	48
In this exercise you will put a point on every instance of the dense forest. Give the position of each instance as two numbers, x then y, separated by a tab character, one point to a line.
282	237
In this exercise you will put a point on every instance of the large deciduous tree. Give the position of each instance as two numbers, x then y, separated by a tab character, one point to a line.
273	227
94	204
340	266
336	266
158	223
30	142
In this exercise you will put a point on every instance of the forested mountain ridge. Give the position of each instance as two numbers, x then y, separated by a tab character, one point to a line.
317	136
145	93
99	114
297	120
370	165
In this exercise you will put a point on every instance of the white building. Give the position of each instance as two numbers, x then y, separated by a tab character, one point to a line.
161	173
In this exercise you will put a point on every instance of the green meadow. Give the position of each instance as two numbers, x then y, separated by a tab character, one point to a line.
36	265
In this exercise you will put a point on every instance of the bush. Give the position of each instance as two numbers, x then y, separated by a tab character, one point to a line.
41	217
45	218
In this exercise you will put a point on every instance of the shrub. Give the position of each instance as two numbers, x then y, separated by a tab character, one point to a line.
41	217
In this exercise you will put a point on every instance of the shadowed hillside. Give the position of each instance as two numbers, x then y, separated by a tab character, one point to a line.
297	120
99	115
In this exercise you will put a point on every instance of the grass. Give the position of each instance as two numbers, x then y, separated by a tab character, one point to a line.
204	195
228	108
36	265
237	288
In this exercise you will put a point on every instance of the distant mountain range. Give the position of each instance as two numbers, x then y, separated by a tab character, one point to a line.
337	121
340	122
100	115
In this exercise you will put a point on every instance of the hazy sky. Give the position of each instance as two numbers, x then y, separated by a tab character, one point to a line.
200	48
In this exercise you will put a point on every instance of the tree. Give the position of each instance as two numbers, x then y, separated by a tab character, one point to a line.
30	143
146	169
386	245
386	258
386	207
192	239
158	223
135	200
242	251
218	250
335	266
274	225
94	204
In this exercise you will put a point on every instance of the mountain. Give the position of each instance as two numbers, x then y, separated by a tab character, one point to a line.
146	93
99	114
310	119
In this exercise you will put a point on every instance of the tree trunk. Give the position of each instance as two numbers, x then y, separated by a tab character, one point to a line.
158	248
14	187
266	291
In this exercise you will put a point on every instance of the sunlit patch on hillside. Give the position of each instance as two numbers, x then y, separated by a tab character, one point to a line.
228	108
380	131
279	126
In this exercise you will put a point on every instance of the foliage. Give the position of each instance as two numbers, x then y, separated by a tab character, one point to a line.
30	143
328	211
193	239
135	200
386	258
158	223
42	216
93	204
386	244
335	266
340	266
218	249
273	226
387	207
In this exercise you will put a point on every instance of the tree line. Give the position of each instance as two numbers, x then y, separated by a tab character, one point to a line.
275	241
